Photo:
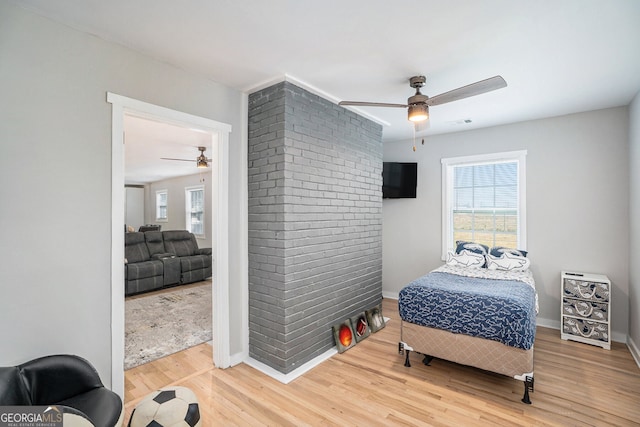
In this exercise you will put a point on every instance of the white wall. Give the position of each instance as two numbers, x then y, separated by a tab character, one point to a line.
577	204
134	207
176	213
55	175
634	232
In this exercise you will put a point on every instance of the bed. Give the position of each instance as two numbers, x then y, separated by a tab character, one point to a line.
485	318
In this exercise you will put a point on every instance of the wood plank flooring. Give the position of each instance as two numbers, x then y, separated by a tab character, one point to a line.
575	384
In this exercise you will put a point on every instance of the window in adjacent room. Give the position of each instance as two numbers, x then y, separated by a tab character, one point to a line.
194	197
161	205
484	200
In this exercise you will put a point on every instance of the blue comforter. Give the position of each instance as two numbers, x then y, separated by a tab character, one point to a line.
501	310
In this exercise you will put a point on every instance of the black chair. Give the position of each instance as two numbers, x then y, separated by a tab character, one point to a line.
67	381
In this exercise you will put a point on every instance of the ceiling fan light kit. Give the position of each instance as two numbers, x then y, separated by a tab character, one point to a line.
201	161
418	112
418	109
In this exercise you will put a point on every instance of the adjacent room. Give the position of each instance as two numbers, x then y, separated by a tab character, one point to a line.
333	213
168	187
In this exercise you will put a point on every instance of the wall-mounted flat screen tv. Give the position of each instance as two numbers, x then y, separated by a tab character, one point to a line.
399	180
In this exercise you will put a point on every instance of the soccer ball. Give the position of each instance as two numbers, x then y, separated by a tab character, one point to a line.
167	407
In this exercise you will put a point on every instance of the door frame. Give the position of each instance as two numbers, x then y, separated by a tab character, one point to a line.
219	131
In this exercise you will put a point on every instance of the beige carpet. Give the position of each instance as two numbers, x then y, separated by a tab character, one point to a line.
164	323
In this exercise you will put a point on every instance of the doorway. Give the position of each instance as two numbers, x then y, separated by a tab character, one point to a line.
122	106
165	190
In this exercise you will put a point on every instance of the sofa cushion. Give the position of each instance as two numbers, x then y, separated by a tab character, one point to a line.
143	285
155	242
141	270
195	262
180	242
135	247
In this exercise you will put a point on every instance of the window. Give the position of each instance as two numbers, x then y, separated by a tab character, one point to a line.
194	197
161	205
484	200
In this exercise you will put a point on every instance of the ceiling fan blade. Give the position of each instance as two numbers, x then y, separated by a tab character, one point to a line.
477	88
371	104
180	160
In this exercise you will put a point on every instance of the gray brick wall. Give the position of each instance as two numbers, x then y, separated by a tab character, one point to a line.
315	222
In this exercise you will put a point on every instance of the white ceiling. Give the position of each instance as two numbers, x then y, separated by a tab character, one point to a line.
557	56
147	142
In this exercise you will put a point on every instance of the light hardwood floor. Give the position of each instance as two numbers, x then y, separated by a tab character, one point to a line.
575	384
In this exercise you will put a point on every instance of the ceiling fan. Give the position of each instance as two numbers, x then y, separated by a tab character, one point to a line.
201	161
418	104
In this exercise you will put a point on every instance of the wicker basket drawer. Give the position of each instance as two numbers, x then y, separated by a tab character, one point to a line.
585	309
585	328
593	291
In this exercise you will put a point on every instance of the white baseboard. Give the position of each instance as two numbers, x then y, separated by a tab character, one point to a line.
548	323
287	378
618	337
633	349
237	358
390	295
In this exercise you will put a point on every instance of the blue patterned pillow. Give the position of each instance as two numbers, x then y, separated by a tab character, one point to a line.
497	251
478	248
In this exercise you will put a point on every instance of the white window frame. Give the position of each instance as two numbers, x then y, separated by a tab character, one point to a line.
166	218
187	204
447	192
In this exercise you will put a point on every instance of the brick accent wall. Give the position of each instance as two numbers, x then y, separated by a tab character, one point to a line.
315	222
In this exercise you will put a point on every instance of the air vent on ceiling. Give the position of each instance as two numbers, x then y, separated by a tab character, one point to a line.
459	122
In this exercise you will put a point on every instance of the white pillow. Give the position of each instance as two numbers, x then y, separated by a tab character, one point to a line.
508	262
465	258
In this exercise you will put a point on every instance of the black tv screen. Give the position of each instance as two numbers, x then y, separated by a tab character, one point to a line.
399	180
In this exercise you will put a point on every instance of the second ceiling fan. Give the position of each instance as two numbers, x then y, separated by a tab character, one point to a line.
201	161
418	104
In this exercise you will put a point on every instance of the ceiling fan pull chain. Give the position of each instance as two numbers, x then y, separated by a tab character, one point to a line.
414	138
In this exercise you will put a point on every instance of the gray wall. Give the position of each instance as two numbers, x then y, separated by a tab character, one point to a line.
55	170
176	213
577	204
315	222
634	232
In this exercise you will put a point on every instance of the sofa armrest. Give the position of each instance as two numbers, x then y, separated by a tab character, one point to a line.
163	255
204	251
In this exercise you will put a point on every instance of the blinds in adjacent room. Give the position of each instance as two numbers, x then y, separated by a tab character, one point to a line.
194	198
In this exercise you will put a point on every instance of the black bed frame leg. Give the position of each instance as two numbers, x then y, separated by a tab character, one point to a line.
406	359
528	385
427	360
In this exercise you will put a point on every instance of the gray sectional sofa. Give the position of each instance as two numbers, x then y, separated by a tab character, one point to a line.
158	259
